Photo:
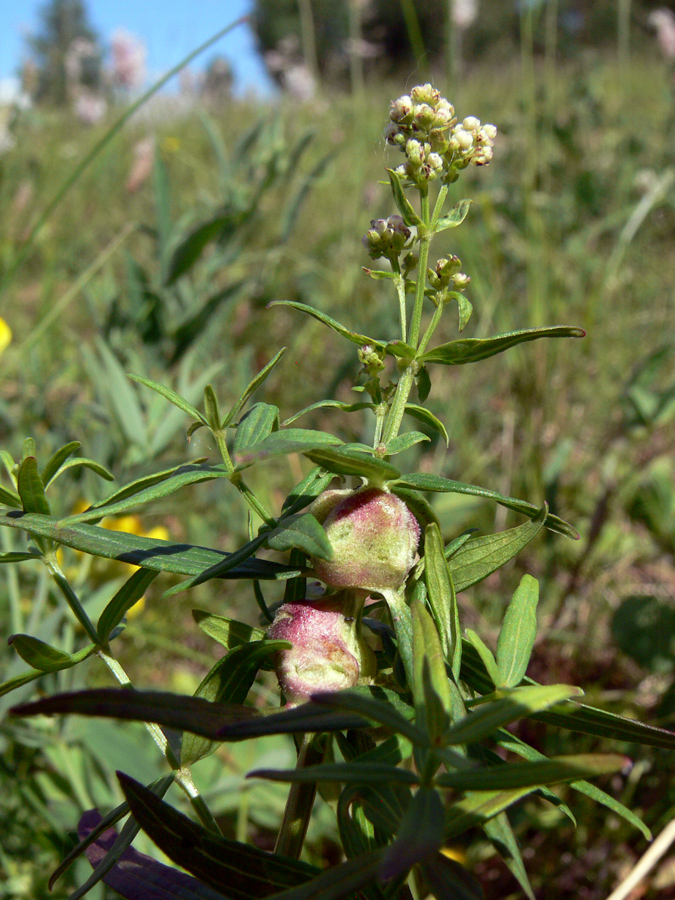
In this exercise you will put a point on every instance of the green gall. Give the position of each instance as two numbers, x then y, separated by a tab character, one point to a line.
328	652
374	538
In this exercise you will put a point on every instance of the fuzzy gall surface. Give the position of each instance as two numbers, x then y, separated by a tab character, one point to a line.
327	654
374	538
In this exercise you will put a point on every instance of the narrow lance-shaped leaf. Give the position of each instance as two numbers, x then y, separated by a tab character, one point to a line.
349	461
281	443
500	834
485	654
404	206
251	388
431	689
130	593
422	482
328	404
245	871
171	396
519	629
259	422
508	776
31	488
57	460
151	553
520	702
420	835
480	556
352	336
455	217
43	656
442	598
229	681
470	350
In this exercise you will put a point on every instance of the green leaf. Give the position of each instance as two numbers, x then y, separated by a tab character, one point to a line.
43	656
312	485
189	250
422	482
144	490
281	443
500	834
508	776
520	702
485	654
422	414
465	308
343	881
251	388
403	205
57	461
229	681
18	681
469	350
130	593
172	397
178	711
328	404
611	803
81	462
405	442
211	410
423	382
431	689
477	808
519	629
449	880
377	704
245	871
352	336
302	532
400	350
454	218
420	835
478	557
347	461
9	498
151	553
122	397
31	488
354	772
257	424
14	556
227	632
442	598
588	720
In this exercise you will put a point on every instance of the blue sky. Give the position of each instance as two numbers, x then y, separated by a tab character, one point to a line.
169	28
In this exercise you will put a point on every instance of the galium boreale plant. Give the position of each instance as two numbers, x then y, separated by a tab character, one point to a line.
398	714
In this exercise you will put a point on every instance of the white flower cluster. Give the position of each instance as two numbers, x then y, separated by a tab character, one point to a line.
386	237
423	125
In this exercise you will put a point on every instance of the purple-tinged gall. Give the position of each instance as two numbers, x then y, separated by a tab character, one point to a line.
374	537
328	653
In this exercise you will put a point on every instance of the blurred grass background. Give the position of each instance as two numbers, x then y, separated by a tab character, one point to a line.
573	223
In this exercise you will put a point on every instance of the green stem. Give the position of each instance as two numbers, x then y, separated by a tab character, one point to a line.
183	775
240	484
300	802
71	597
433	324
397	409
399	281
422	268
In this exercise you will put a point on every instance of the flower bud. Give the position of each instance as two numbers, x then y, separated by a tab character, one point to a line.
328	652
374	537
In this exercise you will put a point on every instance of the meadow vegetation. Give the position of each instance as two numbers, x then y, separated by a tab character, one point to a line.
572	225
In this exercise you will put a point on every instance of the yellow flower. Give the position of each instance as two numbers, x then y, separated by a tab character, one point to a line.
5	335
